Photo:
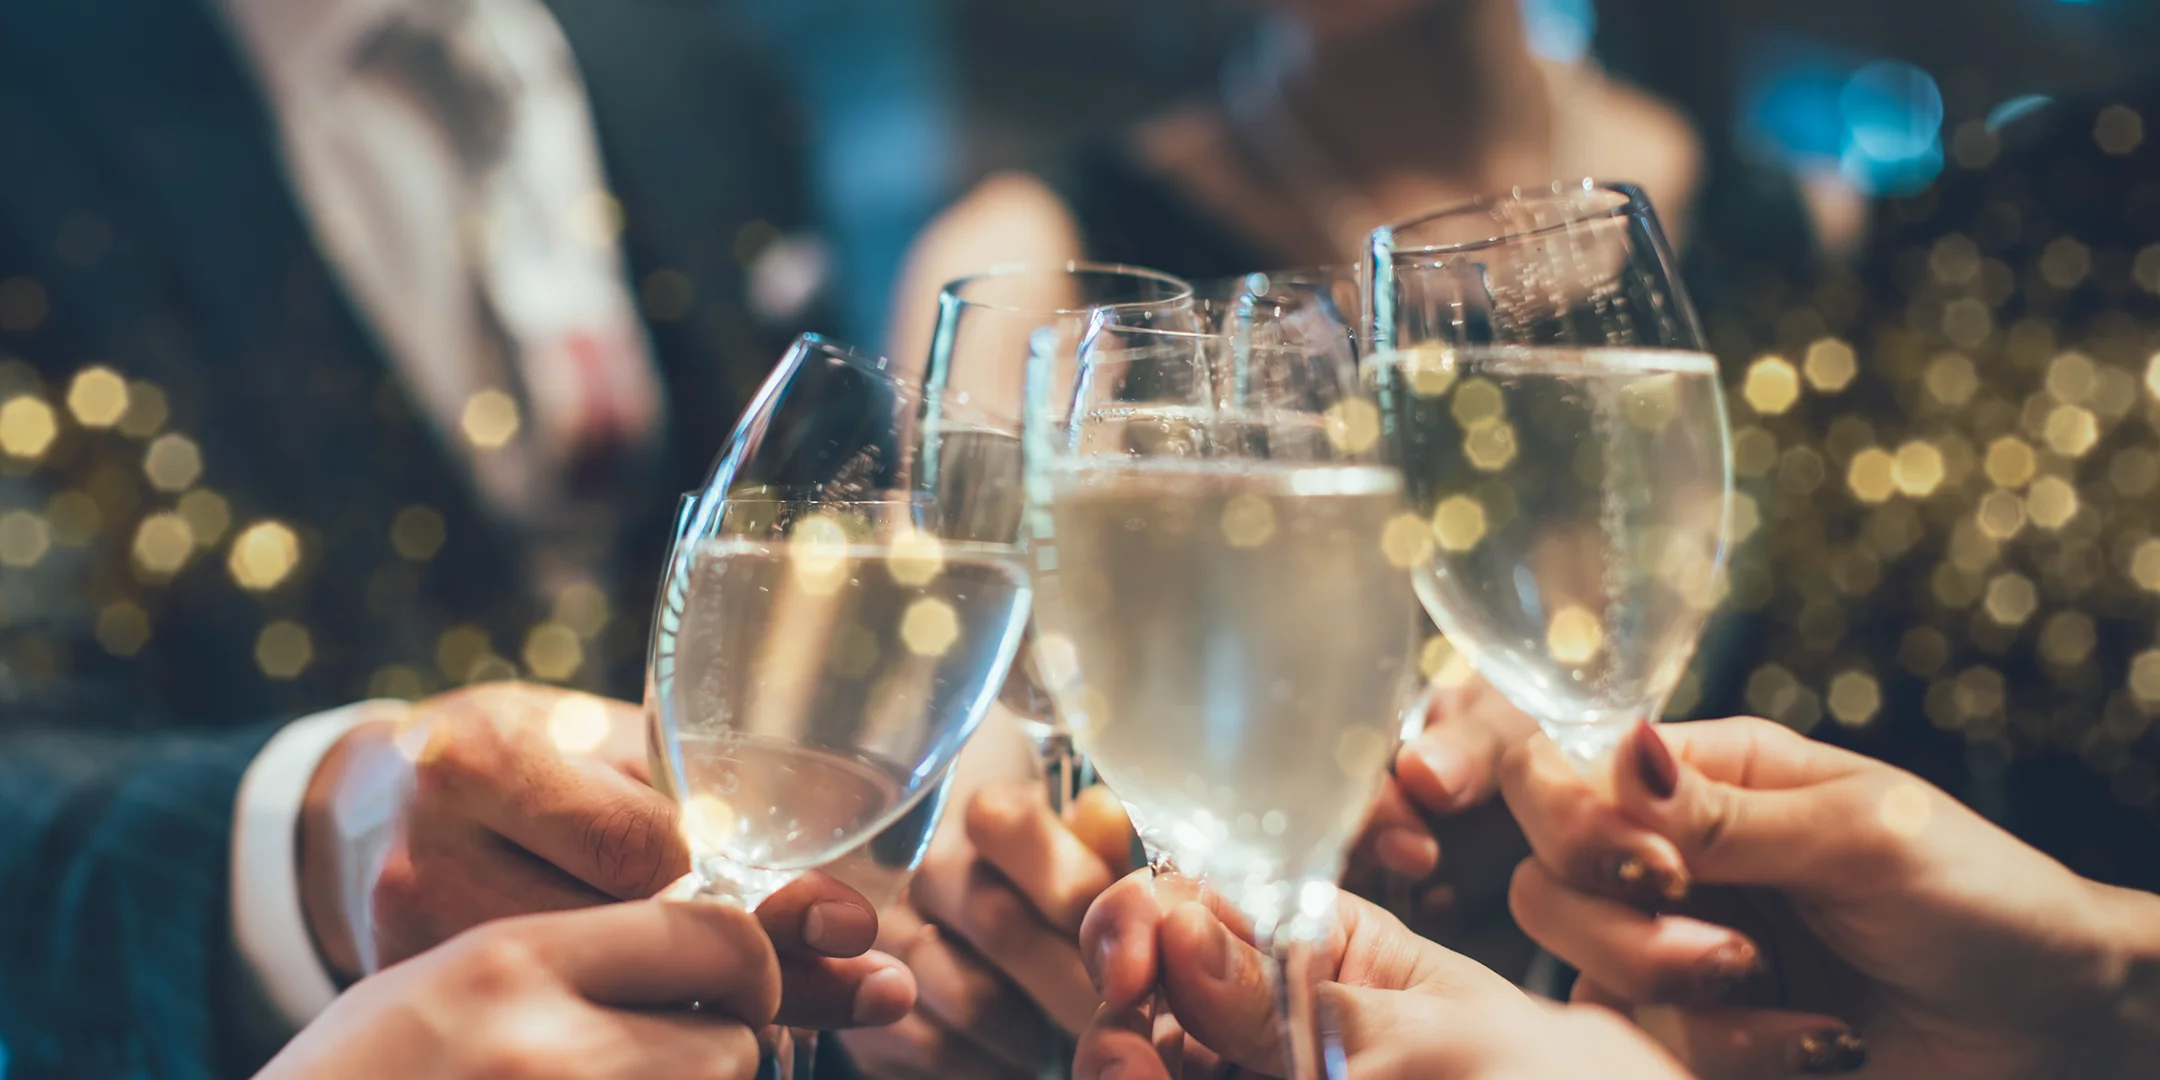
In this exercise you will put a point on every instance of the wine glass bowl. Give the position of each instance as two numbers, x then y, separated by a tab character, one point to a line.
1223	612
988	327
1544	387
1576	504
831	628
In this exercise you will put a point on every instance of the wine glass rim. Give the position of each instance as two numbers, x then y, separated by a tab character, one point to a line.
868	362
1182	290
905	386
1629	201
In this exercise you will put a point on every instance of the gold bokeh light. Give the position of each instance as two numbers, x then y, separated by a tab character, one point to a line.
1574	636
1830	365
1772	386
1459	522
263	555
27	426
1918	468
163	544
929	627
98	397
284	649
1248	521
173	462
489	419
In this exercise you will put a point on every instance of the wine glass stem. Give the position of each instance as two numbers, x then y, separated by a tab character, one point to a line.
1591	747
1311	1054
1061	770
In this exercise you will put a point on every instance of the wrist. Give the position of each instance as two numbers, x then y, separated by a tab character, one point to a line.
321	855
2129	1020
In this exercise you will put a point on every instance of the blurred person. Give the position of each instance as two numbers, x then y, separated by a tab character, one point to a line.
1339	117
1401	1005
350	350
618	991
1773	906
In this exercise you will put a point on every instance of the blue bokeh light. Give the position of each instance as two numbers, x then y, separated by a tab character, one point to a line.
1876	122
1560	30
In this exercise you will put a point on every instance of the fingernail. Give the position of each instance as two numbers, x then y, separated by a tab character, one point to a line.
1099	963
1726	974
1409	852
1655	762
838	928
1448	766
1642	883
885	996
1828	1053
1215	962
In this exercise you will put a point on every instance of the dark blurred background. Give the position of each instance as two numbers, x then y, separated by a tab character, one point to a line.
916	99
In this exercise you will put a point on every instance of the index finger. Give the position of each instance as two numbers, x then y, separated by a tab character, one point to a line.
1454	763
1119	1043
1117	941
492	757
1577	832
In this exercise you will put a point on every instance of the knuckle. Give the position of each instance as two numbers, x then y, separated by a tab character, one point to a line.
464	751
631	848
495	961
1720	819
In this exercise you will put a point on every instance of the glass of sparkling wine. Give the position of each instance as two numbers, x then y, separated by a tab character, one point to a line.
830	631
987	327
1224	614
1545	389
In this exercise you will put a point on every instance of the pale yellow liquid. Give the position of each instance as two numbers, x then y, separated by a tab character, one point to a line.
1230	645
815	694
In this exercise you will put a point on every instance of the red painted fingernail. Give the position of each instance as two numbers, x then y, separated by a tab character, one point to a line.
1655	762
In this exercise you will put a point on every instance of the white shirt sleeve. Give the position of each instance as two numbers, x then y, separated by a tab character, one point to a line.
269	927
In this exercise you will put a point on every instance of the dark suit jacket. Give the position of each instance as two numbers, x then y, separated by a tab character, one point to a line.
146	223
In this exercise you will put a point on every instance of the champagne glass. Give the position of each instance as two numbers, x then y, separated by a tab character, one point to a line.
1545	389
832	627
1224	614
988	326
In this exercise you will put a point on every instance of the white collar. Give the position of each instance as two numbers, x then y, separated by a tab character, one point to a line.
307	46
